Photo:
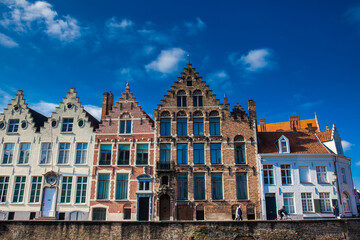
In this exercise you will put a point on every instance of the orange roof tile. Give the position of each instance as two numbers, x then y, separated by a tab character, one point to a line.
285	126
301	142
325	136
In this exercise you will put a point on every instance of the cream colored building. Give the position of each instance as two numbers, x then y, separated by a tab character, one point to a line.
45	164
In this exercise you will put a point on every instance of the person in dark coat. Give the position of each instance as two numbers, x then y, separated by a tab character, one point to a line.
239	214
336	211
282	212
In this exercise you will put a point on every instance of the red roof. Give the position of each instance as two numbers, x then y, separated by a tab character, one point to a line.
325	136
286	126
301	142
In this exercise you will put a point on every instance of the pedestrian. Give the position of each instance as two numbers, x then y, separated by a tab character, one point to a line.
282	212
336	211
239	214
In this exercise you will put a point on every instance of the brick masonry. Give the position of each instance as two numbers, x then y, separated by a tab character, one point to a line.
229	230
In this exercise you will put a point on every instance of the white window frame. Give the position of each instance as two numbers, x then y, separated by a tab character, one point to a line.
321	174
48	151
82	185
268	177
10	154
290	207
285	140
66	156
325	203
83	155
307	202
26	153
288	174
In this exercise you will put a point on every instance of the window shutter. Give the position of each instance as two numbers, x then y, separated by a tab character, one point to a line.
317	205
334	202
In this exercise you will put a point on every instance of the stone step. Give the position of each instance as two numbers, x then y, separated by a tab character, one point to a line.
45	219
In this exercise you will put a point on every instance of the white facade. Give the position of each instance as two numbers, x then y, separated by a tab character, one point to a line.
55	182
304	183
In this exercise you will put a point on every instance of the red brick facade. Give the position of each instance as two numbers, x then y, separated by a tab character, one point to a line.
236	128
111	132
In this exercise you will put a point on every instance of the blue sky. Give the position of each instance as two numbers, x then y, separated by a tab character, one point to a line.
291	57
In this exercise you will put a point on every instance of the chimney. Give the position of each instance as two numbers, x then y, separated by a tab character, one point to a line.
108	102
327	127
294	123
226	103
310	127
252	109
262	125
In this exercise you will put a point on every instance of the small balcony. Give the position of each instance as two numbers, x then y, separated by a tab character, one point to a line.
164	166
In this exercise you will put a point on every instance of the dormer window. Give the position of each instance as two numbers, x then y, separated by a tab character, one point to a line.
284	146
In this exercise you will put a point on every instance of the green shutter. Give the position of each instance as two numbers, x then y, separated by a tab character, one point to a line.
317	205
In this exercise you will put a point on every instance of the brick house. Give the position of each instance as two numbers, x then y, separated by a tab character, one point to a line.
122	180
206	155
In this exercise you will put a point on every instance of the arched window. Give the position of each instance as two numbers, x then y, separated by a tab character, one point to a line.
198	124
214	123
165	124
181	98
346	202
127	211
239	148
181	124
197	99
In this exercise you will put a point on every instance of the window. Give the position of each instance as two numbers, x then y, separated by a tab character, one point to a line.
165	127
24	153
325	205
124	154
182	186
103	186
286	174
144	185
105	154
35	189
127	213
307	202
182	149
304	174
64	149
197	99
289	202
13	126
321	174
66	189
19	189
4	184
268	173
216	186
343	176
181	99
142	154
125	126
198	126
81	152
199	186
198	153
284	146
214	126
181	126
240	154
346	202
67	125
46	153
215	153
8	153
81	184
165	151
99	214
121	186
241	186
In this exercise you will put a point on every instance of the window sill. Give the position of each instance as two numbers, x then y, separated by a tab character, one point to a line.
67	132
126	134
243	200
44	164
80	164
121	200
33	203
63	164
103	165
102	200
325	183
217	164
80	204
204	200
15	203
218	200
12	133
241	164
23	164
64	204
141	164
7	164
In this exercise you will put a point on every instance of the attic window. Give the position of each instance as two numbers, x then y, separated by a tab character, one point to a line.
284	146
189	82
69	105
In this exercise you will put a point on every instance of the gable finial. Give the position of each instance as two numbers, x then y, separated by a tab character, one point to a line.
127	88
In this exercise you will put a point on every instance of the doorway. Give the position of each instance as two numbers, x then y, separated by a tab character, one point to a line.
164	207
48	204
270	202
143	209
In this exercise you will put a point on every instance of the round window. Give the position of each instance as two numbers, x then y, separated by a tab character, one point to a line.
2	125
16	108
24	124
53	123
81	123
69	105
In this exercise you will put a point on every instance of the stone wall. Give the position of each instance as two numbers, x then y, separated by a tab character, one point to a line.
306	229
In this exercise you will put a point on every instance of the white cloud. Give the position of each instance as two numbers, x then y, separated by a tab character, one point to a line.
95	111
194	27
357	163
346	145
220	80
168	61
5	99
7	41
114	23
44	108
124	74
254	61
23	16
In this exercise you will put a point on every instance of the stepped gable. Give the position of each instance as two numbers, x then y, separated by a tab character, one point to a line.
71	103
18	108
325	136
301	142
126	104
